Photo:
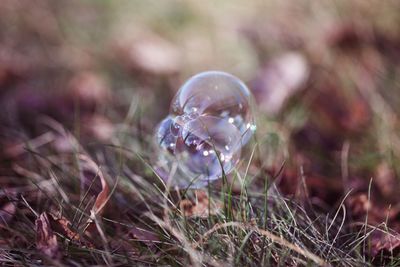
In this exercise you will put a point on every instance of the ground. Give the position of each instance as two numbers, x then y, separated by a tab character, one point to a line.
83	85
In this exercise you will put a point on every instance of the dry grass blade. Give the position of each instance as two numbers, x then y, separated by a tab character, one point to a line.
274	238
83	180
195	256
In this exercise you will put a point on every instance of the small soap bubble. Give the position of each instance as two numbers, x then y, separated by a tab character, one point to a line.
210	121
218	94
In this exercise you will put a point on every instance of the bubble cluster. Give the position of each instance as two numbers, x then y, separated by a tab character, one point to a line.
210	120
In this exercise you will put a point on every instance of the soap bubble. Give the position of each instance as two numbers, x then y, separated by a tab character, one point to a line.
218	94
210	121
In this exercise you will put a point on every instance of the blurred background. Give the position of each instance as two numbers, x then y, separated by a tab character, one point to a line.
96	77
324	75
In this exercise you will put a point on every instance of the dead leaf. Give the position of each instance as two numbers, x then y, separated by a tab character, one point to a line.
143	235
63	226
88	164
98	127
200	206
338	114
282	77
359	205
388	243
7	212
148	52
383	246
362	207
385	179
348	37
15	150
46	240
90	89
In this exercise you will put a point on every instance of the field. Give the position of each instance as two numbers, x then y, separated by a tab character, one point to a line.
84	84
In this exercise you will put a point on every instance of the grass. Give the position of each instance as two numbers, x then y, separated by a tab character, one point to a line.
252	226
316	186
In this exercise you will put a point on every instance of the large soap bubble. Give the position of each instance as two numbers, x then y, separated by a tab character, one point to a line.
209	122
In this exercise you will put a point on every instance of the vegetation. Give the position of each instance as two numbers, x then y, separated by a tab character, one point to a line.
83	85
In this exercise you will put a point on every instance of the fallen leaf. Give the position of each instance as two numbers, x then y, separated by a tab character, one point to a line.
362	207
63	226
98	127
359	205
348	36
90	168
337	113
200	206
16	150
148	52
90	89
7	212
383	246
145	236
280	79
385	179
46	240
388	244
388	45
87	164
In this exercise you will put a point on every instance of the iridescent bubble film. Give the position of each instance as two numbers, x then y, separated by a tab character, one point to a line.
210	120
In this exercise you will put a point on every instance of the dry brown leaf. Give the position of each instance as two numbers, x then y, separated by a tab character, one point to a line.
46	240
200	206
280	79
98	127
335	112
348	36
362	207
383	246
7	212
388	243
145	236
63	226
101	200
88	165
385	179
359	205
15	150
90	89
148	52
